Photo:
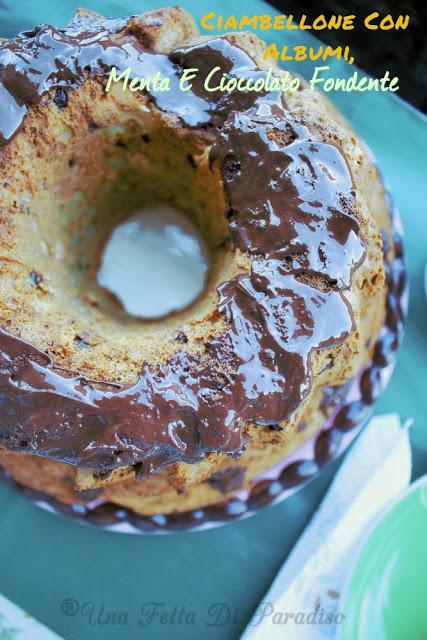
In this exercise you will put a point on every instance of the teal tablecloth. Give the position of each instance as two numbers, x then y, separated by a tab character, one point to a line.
45	560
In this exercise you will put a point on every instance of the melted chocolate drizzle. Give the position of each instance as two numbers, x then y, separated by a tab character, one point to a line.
291	206
328	444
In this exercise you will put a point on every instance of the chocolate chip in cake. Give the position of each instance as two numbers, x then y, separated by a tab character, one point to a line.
191	161
102	475
61	98
36	278
85	340
231	167
226	480
139	470
92	126
88	494
275	427
283	138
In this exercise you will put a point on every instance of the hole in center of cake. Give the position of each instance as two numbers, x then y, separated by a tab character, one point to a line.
155	262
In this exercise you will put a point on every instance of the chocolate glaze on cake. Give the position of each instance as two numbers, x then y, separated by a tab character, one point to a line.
291	205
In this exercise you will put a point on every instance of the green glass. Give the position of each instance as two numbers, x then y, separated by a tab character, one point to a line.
386	595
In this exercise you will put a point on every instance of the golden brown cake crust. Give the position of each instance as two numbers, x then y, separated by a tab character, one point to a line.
57	164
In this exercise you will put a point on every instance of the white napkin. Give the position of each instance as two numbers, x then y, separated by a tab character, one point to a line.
15	624
376	470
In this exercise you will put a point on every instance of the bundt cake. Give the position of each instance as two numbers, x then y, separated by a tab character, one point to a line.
174	414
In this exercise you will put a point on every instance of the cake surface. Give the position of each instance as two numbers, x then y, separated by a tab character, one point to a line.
170	415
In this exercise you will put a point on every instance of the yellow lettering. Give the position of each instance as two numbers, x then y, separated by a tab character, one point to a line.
278	24
320	23
300	53
271	52
204	21
284	55
387	23
368	21
332	53
334	22
302	25
290	23
265	22
246	21
230	23
315	55
348	22
402	22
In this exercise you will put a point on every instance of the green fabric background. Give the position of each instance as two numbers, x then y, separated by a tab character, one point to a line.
45	559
